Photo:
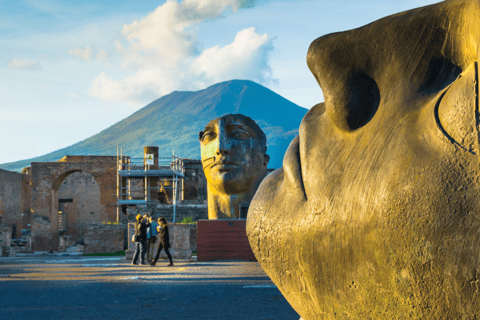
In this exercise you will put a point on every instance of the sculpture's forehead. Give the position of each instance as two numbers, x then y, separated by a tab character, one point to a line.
228	121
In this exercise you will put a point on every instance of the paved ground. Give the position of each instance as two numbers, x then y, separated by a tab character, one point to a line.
52	287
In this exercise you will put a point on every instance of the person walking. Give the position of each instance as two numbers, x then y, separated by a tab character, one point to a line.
140	238
151	239
163	241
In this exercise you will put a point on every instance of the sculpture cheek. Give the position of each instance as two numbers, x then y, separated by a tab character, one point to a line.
455	112
209	150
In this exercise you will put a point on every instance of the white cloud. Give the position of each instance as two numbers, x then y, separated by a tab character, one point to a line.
245	58
24	64
85	54
103	57
118	45
166	33
163	53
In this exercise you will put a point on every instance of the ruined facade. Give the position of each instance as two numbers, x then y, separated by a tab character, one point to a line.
52	216
58	201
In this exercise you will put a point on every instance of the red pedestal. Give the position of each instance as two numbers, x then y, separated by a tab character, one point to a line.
223	240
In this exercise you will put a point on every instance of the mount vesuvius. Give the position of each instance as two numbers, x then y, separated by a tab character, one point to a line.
173	122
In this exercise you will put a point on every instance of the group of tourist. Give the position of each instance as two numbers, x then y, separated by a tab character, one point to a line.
147	234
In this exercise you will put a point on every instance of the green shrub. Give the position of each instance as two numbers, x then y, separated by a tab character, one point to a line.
188	220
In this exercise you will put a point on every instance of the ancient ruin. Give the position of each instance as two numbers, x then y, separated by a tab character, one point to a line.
375	213
83	203
234	161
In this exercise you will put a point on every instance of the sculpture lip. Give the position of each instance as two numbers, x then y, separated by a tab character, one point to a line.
225	165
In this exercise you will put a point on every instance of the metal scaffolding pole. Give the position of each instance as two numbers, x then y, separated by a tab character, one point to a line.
175	198
119	209
146	185
135	170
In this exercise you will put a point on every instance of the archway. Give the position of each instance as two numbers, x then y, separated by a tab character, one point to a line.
48	178
77	196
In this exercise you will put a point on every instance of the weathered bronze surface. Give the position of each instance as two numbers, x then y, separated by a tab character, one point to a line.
234	162
376	211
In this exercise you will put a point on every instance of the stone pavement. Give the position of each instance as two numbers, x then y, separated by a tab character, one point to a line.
78	287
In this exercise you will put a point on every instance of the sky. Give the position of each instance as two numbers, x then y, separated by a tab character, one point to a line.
70	69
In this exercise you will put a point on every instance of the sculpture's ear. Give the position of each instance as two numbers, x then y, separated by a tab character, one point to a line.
266	159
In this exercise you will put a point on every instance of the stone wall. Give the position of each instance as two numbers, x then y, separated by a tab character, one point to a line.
180	240
104	238
65	242
5	240
131	245
193	237
4	236
14	201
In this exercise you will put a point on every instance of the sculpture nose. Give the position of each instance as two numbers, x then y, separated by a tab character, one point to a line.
223	144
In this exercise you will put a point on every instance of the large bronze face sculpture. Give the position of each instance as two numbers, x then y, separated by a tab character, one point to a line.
234	162
376	211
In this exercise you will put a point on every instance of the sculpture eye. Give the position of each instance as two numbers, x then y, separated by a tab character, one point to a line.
208	136
240	135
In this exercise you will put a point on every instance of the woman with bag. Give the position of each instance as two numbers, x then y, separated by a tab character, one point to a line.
140	239
163	241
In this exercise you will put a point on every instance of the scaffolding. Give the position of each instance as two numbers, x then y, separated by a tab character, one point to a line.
130	173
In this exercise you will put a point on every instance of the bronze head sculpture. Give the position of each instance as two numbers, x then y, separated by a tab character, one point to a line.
376	211
234	162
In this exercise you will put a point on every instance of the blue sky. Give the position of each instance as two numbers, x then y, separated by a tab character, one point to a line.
70	69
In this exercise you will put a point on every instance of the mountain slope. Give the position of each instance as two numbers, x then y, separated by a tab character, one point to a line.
173	122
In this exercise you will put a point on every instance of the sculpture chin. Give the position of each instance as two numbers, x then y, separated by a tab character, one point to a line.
380	217
230	181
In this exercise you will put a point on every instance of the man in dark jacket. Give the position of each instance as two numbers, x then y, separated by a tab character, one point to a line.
140	239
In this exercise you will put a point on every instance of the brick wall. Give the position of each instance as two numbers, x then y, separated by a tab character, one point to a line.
46	181
223	240
13	201
26	198
104	238
83	190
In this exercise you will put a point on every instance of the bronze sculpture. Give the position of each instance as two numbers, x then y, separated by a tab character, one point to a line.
376	211
234	162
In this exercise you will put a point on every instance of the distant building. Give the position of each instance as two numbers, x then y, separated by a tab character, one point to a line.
58	199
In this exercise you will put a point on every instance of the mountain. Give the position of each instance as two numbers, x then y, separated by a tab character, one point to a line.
173	122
